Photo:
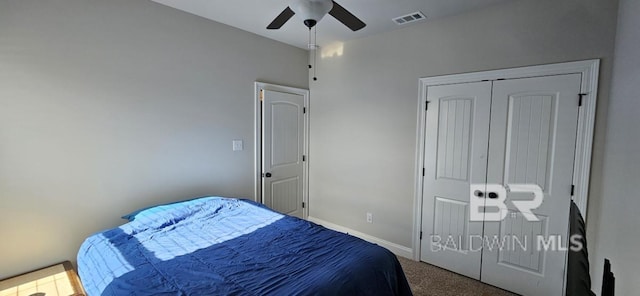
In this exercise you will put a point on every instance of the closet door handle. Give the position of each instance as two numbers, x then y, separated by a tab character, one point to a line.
478	193
493	195
267	175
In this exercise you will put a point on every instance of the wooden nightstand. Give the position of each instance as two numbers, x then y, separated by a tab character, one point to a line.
57	280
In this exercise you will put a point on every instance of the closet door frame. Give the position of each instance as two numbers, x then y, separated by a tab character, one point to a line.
589	70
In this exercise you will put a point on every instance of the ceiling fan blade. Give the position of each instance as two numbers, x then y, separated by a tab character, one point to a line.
346	17
282	18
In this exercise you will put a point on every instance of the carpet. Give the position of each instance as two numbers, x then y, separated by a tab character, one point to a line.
429	280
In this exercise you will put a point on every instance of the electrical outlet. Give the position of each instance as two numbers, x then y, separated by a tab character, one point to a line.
369	218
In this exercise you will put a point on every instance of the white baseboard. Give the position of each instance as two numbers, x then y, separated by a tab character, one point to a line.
394	248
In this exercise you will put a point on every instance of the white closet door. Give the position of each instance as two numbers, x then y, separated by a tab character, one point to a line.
532	141
457	131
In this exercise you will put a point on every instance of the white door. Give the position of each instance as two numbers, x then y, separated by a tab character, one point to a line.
532	141
282	152
457	131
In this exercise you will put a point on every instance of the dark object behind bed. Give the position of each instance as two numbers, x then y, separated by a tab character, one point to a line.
608	280
578	279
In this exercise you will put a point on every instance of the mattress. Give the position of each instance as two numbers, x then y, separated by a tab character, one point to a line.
223	246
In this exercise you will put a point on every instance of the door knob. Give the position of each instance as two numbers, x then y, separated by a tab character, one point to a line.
267	175
478	193
493	195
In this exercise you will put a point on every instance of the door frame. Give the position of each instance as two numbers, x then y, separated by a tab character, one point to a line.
258	86
589	69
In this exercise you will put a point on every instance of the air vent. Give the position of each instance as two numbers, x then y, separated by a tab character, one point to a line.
410	18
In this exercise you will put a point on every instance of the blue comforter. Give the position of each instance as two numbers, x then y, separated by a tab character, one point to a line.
221	246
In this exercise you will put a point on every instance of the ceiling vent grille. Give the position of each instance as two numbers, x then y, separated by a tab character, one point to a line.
410	18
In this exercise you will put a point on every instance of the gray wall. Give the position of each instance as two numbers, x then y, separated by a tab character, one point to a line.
614	219
109	105
364	105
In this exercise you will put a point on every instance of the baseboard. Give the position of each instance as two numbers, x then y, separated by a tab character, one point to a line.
394	248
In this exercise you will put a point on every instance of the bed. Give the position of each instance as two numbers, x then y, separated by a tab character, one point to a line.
225	246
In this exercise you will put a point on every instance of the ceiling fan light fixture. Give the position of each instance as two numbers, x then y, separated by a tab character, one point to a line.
311	11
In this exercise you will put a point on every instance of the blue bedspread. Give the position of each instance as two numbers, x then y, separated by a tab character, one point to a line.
221	246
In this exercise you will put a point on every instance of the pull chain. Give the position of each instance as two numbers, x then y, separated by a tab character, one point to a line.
313	47
309	45
315	52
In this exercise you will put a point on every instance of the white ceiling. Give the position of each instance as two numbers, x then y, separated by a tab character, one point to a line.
255	15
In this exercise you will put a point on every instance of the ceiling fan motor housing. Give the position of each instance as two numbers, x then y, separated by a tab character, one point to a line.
311	11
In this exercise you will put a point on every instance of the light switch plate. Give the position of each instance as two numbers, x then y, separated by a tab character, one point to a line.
237	145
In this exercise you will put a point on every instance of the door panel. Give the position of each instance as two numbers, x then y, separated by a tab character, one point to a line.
513	254
282	146
532	142
457	131
285	132
286	195
528	137
454	134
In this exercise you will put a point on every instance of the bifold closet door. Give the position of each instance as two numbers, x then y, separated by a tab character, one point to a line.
457	131
532	142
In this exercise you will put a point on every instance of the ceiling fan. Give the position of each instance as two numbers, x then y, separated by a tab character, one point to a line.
312	11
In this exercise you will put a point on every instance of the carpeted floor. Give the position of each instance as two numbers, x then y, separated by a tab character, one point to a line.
428	280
